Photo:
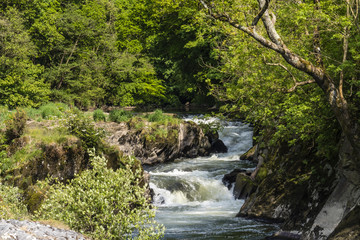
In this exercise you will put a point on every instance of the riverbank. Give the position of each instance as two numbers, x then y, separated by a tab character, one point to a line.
47	159
305	192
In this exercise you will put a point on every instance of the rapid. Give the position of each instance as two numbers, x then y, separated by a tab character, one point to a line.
191	200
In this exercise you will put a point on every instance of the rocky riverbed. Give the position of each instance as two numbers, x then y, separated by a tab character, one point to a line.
27	230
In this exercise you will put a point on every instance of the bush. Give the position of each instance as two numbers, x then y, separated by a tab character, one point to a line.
81	126
104	203
11	206
50	110
157	116
120	116
4	114
15	126
99	115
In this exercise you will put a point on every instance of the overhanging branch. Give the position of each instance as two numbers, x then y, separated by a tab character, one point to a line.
296	83
261	13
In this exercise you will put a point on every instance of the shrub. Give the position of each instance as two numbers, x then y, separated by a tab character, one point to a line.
33	113
99	115
157	116
50	110
81	126
104	203
4	114
15	126
120	116
11	206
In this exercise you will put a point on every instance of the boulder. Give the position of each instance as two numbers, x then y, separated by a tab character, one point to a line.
349	227
218	146
230	178
244	186
305	192
283	235
249	155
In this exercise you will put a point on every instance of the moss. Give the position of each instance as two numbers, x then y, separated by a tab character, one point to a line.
262	173
34	197
249	154
115	157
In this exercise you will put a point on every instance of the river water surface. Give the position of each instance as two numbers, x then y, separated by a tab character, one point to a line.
192	203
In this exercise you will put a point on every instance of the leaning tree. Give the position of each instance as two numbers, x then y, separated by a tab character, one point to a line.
259	21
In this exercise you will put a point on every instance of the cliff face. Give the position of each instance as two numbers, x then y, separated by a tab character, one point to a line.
152	146
313	195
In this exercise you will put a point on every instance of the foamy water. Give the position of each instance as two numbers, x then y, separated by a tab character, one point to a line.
192	201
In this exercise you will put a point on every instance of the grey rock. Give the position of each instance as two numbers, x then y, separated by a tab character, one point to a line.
27	230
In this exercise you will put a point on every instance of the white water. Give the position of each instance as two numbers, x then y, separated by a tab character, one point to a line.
193	203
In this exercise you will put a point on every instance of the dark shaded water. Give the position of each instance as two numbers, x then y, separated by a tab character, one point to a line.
193	203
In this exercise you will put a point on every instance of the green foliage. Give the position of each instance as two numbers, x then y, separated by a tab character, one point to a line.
20	79
11	205
120	116
256	82
83	127
157	116
15	126
169	31
49	110
4	115
98	115
103	203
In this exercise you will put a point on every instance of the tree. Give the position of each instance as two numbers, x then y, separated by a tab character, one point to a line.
20	79
316	70
319	39
170	38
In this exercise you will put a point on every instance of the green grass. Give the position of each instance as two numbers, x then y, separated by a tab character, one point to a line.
120	116
47	136
99	115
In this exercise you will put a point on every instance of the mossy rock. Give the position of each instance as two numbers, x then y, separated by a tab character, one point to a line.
249	155
261	174
34	197
244	186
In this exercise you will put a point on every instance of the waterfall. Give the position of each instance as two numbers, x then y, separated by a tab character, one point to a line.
192	201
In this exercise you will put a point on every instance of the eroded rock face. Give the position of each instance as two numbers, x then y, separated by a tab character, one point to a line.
57	160
349	227
186	140
289	189
314	196
26	230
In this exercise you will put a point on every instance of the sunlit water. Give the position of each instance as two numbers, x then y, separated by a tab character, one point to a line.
193	203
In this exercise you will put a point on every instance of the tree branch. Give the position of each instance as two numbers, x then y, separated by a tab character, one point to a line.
296	83
345	52
261	13
248	30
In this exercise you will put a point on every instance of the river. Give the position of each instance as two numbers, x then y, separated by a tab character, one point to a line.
192	203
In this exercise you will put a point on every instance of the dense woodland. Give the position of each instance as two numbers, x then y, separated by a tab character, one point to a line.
143	52
292	68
